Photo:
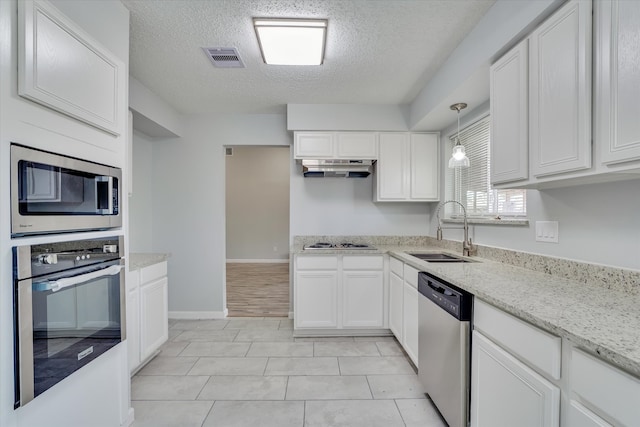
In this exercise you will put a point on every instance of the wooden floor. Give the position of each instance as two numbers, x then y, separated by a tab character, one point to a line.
258	290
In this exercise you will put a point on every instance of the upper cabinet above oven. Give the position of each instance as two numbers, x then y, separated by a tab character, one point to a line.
62	67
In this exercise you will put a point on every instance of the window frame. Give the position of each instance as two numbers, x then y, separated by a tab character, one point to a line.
494	214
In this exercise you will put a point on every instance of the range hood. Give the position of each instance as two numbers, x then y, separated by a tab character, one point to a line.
337	168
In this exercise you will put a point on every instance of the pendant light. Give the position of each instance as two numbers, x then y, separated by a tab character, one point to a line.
458	158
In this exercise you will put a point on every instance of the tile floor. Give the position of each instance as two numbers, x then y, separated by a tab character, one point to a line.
251	372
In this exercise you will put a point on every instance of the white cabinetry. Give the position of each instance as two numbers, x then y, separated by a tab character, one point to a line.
335	145
505	392
513	369
64	68
147	313
339	292
554	112
510	116
560	91
396	284
403	306
617	80
410	313
601	395
408	167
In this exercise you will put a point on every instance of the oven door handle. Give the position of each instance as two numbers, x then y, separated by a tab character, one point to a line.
66	282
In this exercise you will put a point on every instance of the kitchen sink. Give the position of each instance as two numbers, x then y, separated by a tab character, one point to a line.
437	257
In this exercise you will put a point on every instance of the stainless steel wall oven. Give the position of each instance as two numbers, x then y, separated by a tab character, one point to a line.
51	193
69	308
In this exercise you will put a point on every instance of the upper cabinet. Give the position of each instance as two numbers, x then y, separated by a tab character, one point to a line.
408	168
542	113
541	99
560	91
335	145
510	116
617	80
62	67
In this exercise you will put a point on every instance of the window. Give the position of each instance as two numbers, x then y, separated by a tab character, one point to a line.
471	186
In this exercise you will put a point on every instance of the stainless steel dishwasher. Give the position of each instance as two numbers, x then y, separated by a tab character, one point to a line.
444	317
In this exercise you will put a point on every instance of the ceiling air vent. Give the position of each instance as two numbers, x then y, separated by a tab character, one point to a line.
224	57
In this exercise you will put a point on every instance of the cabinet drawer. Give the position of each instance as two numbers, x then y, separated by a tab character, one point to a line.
363	262
153	272
396	266
605	387
411	276
316	262
535	346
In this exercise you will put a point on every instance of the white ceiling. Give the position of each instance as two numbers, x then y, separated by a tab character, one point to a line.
378	51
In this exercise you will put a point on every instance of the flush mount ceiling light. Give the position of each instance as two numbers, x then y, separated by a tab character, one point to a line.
291	41
458	158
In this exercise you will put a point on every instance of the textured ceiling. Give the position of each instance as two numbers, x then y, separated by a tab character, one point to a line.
378	52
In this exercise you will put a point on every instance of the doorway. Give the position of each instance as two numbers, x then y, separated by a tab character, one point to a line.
257	230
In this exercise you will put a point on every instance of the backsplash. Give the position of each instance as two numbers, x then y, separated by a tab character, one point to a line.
619	279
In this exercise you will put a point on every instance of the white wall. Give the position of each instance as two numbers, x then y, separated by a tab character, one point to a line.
344	206
141	213
598	223
76	401
189	204
257	203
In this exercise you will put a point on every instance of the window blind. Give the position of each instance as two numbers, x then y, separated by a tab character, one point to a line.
471	186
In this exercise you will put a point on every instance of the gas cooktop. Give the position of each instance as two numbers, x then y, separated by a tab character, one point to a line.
344	245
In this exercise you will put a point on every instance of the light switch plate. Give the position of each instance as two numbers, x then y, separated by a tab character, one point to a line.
547	231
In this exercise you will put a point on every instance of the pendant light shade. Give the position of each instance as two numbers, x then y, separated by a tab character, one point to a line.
458	158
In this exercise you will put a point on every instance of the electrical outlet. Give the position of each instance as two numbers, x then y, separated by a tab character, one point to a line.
547	231
275	249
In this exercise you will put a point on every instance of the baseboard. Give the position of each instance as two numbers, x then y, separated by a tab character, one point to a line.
258	261
195	315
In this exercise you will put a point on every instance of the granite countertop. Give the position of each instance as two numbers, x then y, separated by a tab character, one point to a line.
141	260
598	318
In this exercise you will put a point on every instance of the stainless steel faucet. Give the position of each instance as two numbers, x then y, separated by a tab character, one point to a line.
468	248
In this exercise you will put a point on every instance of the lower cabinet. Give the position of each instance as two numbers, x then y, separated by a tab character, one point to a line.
403	306
515	371
396	297
339	292
316	294
410	313
601	394
147	313
363	299
506	392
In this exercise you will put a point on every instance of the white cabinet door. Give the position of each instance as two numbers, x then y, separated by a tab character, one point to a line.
396	285
313	145
62	67
424	167
356	145
617	80
579	416
316	299
560	91
410	322
392	169
363	299
133	328
509	80
154	330
505	392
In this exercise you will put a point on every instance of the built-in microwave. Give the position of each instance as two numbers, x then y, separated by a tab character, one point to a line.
52	193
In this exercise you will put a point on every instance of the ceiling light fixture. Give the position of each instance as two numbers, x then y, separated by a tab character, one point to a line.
458	158
291	41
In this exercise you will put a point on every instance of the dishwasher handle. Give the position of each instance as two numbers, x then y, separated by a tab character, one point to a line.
448	297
